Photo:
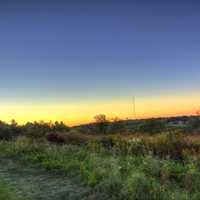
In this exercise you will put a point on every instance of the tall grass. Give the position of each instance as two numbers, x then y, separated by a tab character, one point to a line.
120	176
7	192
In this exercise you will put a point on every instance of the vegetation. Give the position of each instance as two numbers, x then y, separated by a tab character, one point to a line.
193	125
157	163
7	192
117	175
101	123
152	126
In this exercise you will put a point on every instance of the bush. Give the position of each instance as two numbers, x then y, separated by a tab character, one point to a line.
151	166
172	171
166	145
38	130
116	126
55	138
7	131
107	142
60	127
192	178
112	184
140	187
68	138
169	144
101	123
152	126
193	125
74	138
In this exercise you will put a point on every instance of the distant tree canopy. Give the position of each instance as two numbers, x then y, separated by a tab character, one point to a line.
103	125
60	127
9	131
34	130
39	129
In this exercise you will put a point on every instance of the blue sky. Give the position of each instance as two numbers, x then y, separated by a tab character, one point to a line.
62	51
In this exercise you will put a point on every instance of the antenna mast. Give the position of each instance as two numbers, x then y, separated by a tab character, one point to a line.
134	108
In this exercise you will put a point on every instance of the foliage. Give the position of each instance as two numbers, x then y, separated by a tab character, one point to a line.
162	166
107	141
7	193
8	131
152	126
170	144
59	127
116	126
38	130
165	145
118	176
55	137
67	138
101	123
193	125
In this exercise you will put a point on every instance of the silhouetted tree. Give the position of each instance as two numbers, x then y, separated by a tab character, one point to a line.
36	129
6	131
101	123
60	127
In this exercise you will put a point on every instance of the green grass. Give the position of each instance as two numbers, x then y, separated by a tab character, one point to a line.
7	192
121	177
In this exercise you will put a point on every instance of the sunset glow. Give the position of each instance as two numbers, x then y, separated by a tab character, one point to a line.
79	113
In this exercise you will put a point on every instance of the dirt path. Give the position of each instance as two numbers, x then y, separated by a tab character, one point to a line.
37	184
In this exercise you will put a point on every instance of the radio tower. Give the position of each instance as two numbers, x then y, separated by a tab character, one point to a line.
134	108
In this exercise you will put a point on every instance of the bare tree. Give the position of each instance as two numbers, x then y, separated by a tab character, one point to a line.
101	123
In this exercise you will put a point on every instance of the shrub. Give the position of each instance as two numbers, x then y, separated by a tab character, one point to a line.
152	126
140	187
172	171
126	147
107	142
60	127
193	125
55	138
112	184
151	166
68	138
36	130
101	123
77	139
116	126
169	144
192	178
7	131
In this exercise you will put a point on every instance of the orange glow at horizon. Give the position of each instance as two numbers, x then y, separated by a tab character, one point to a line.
79	113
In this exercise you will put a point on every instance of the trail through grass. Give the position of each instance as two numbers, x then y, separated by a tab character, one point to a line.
36	184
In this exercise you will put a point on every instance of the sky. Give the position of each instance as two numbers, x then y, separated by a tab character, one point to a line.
70	60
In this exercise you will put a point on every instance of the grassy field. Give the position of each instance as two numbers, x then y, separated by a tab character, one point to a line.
32	182
153	161
7	192
140	169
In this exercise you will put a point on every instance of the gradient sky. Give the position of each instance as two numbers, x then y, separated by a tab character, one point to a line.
69	60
